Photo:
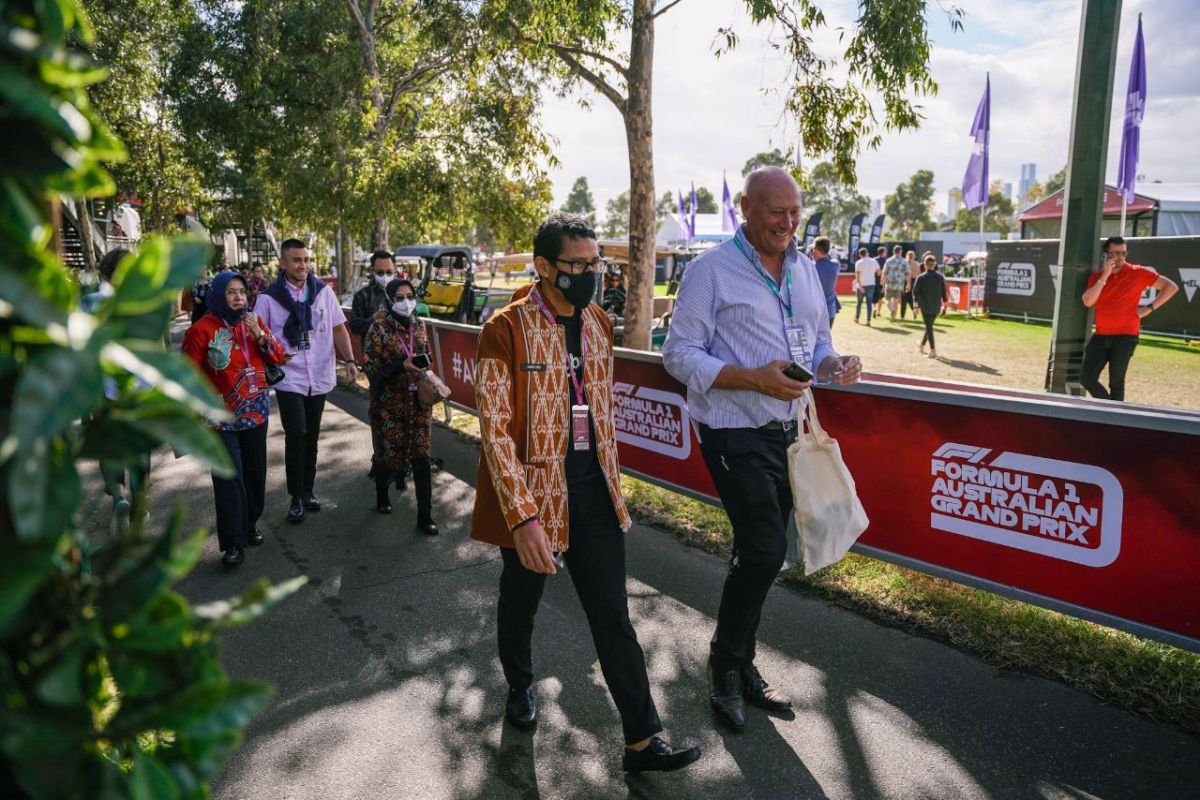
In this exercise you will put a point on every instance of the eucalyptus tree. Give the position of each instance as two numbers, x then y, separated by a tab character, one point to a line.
608	45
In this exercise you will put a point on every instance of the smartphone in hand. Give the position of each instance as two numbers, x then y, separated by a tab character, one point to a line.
421	361
798	372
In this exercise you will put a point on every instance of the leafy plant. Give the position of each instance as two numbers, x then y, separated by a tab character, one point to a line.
110	685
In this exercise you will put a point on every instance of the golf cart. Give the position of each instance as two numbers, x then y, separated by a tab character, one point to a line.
672	260
445	279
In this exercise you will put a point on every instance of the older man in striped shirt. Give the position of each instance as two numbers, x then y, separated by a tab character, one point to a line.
747	310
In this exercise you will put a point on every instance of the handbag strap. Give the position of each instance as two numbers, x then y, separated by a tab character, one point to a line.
807	411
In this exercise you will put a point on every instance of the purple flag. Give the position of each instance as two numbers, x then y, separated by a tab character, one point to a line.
729	221
692	214
683	222
1135	108
975	182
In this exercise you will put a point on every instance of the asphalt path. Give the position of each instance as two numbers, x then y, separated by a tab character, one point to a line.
388	684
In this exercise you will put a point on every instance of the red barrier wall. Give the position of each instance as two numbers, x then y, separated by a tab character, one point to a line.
1084	506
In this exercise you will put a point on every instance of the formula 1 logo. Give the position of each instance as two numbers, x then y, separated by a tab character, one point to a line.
1019	278
1058	509
652	419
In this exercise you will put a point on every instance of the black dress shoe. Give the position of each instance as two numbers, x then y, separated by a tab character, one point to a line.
233	556
725	698
383	503
521	709
428	528
658	756
256	538
296	511
759	693
312	503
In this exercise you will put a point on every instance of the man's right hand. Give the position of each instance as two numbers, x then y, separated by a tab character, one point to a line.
1107	269
770	380
533	548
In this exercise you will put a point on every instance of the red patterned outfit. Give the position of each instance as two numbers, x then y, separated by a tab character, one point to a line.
233	361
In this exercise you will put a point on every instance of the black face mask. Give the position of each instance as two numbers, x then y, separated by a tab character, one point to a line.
578	289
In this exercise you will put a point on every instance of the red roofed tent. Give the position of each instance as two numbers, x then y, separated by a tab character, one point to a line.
1043	220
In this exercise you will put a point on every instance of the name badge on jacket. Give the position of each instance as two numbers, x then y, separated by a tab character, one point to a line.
530	366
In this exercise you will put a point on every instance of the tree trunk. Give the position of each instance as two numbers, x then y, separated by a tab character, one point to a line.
85	234
379	234
639	135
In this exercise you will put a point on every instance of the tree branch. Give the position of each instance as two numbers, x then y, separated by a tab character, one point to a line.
665	9
411	81
612	62
597	82
357	14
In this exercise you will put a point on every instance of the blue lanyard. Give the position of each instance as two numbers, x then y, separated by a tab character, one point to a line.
770	282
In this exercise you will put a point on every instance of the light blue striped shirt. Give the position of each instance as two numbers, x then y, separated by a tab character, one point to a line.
727	314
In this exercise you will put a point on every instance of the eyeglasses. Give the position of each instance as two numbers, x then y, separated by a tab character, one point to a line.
579	266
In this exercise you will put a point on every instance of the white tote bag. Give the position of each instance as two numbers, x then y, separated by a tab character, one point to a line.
829	517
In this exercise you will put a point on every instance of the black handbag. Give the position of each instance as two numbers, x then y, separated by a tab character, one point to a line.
273	373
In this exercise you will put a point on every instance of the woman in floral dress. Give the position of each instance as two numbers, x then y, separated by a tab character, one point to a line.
400	425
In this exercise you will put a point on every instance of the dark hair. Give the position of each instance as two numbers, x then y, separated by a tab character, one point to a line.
108	265
292	244
1110	241
394	286
862	251
548	241
823	244
881	250
378	254
897	248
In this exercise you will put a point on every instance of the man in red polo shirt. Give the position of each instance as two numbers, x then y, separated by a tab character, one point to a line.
1115	293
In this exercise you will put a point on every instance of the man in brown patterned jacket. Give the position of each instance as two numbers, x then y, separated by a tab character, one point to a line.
548	491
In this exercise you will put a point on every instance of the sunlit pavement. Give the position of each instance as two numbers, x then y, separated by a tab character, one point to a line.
388	685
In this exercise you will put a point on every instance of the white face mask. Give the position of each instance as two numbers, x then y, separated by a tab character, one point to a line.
404	307
384	279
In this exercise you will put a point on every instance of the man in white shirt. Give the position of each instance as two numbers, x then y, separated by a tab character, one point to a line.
866	272
305	314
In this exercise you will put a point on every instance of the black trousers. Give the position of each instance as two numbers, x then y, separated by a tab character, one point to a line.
906	301
240	499
596	561
749	469
929	319
1113	351
300	415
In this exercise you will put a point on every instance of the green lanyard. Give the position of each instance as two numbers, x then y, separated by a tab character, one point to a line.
774	287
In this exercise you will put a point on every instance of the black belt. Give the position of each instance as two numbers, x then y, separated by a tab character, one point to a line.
786	425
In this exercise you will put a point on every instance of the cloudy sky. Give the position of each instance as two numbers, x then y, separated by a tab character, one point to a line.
711	114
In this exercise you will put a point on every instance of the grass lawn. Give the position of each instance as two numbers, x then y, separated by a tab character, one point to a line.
1009	353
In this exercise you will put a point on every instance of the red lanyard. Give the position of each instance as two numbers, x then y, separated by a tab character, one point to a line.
412	333
238	330
576	383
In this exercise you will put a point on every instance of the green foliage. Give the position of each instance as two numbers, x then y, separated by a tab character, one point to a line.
908	207
395	116
616	219
666	206
110	686
138	40
580	200
844	104
705	202
824	191
1056	181
998	217
775	158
